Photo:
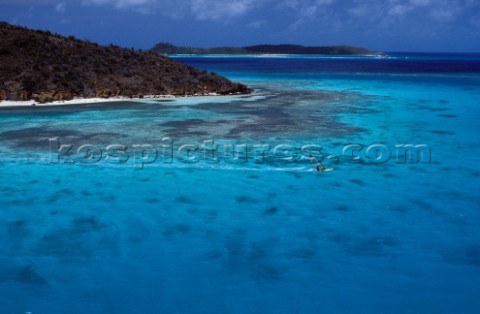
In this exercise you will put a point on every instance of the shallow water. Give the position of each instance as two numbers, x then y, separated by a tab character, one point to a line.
197	232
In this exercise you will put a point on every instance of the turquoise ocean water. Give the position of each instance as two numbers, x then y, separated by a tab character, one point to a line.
210	205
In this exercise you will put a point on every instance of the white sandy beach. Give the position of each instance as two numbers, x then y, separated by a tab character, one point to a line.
79	101
84	101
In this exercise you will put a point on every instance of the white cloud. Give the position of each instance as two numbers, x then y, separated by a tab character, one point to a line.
61	7
290	4
28	2
399	10
359	11
412	19
443	14
308	11
324	2
216	10
124	4
446	11
199	9
421	2
416	10
350	13
256	24
133	3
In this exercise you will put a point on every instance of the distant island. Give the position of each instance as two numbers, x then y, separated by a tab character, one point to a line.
167	48
41	66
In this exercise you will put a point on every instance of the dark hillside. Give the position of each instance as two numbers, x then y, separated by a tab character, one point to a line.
42	66
167	48
297	49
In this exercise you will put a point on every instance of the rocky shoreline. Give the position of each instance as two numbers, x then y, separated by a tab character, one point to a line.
45	67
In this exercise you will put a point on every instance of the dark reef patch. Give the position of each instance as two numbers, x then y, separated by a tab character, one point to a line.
11	189
185	200
370	246
213	254
109	198
297	175
176	229
441	132
16	233
82	236
401	209
44	132
472	255
421	204
302	253
271	211
28	275
18	229
63	193
432	109
469	255
192	127
342	208
184	124
85	193
267	271
278	113
357	182
443	115
87	224
152	200
39	137
245	199
183	228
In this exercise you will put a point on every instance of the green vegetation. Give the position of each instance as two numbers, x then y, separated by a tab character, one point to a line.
42	66
166	48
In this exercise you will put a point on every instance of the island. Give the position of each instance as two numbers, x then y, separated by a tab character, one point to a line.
44	67
168	48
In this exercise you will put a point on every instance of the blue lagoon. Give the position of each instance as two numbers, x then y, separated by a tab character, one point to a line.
211	205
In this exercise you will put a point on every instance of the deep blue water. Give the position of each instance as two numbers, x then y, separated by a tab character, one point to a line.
392	64
256	231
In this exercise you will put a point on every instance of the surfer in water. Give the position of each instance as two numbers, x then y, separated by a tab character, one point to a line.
319	166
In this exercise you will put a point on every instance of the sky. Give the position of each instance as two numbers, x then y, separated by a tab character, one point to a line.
379	25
